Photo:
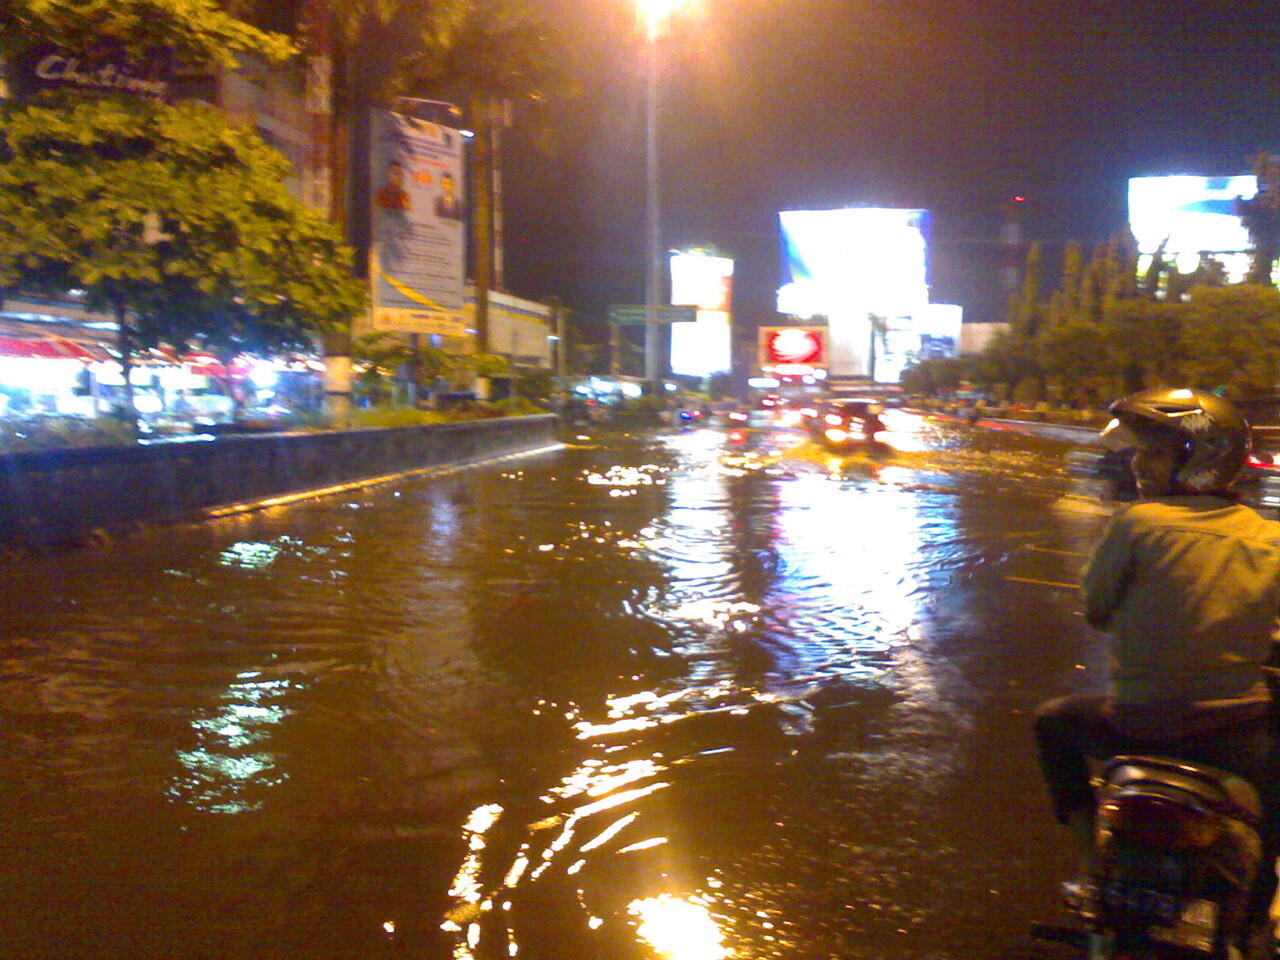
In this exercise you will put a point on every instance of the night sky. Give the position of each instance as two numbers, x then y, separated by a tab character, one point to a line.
950	105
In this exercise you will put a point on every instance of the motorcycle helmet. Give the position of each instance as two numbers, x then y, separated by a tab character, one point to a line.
1211	436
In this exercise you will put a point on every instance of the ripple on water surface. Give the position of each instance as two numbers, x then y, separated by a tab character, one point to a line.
637	693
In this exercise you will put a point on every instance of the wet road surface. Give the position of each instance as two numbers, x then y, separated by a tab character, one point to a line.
655	696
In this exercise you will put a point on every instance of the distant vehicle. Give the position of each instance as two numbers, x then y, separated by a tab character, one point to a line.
839	424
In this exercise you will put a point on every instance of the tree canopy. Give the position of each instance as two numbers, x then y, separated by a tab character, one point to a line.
161	206
193	29
1109	328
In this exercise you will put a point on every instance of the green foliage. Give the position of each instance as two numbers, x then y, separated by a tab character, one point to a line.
1102	333
1261	217
533	384
484	49
1028	392
487	364
196	30
1231	335
517	406
60	433
397	416
174	218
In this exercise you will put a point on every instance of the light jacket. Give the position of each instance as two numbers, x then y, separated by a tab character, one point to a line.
1188	588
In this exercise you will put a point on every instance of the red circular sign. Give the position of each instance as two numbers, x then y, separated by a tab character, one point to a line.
796	345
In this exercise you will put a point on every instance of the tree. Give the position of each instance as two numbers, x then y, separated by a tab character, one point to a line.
1231	336
195	30
1261	217
1145	342
172	218
488	54
1025	306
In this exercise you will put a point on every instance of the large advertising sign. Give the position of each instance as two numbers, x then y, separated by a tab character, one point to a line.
930	333
417	261
701	280
849	265
1190	216
792	347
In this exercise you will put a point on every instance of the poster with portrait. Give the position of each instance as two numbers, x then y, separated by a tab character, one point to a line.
418	254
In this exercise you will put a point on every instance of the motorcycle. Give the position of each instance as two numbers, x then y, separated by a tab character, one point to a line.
1177	854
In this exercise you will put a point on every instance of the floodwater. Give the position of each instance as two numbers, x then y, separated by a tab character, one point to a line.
673	696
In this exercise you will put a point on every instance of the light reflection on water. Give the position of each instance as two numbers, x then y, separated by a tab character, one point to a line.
679	929
603	682
223	774
838	599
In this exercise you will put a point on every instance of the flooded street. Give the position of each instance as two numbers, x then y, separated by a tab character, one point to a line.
659	696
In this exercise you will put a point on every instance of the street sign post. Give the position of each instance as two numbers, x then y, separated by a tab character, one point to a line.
638	313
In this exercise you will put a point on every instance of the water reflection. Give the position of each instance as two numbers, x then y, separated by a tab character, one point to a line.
224	774
678	929
679	697
778	584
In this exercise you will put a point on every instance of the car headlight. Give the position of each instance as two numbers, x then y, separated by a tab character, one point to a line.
836	435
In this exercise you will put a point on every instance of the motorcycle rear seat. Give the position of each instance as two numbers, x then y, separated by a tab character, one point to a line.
1218	789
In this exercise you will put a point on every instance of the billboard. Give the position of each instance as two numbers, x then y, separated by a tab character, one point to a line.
417	259
932	332
790	347
703	347
1190	216
849	265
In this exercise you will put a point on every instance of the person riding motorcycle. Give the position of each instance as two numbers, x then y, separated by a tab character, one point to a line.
1187	583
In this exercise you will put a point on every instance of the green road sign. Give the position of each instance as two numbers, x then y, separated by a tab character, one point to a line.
637	313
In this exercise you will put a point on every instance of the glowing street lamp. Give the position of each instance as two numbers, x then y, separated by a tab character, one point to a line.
655	13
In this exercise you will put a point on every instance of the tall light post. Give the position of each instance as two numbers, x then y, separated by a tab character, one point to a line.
653	15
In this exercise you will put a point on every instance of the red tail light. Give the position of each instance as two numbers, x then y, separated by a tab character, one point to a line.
1159	822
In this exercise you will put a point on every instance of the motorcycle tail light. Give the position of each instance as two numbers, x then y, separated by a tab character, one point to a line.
1160	822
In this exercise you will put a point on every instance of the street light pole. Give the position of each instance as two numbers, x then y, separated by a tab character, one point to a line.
653	365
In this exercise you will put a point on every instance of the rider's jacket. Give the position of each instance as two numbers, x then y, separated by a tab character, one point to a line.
1189	589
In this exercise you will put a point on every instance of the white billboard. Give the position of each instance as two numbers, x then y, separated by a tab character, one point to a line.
701	348
1191	216
932	332
852	264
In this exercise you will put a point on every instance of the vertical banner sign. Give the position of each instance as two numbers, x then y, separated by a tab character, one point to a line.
417	263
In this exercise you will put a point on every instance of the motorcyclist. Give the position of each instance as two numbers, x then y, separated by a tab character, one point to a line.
1187	583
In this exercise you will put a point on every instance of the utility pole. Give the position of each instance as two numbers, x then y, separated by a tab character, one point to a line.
482	215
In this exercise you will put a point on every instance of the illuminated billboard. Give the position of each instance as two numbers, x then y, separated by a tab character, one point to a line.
849	265
703	347
1190	216
930	333
790	347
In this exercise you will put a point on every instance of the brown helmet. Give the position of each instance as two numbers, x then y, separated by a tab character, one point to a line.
1211	433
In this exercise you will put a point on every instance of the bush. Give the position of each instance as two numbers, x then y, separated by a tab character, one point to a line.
517	406
386	417
61	433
